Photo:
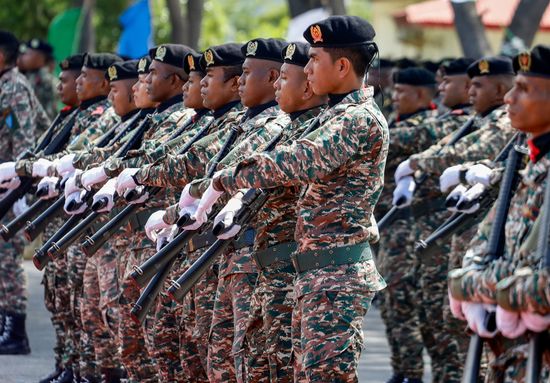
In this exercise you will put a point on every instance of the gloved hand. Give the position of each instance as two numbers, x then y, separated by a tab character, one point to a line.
454	196
77	198
191	210
7	171
20	206
208	200
12	183
107	192
93	176
64	165
155	224
165	236
535	322
186	199
479	174
126	181
143	195
456	307
227	216
70	184
449	178
509	323
42	168
403	170
49	187
476	316
468	203
403	193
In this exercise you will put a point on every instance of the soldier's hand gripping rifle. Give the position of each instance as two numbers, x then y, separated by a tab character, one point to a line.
392	214
94	242
459	222
495	249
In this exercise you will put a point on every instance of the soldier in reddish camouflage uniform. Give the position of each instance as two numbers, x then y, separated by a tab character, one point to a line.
341	165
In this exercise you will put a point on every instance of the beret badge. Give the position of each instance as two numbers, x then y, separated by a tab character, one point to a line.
141	65
316	33
524	61
290	51
251	48
112	73
483	67
65	64
160	53
191	62
209	57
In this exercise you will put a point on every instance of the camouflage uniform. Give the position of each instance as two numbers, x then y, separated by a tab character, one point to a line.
44	84
443	336
342	163
21	116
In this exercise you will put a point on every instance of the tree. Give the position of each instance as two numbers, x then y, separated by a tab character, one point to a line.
520	34
470	29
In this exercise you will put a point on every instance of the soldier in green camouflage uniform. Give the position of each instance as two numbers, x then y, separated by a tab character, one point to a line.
337	278
475	284
413	93
35	57
380	78
21	116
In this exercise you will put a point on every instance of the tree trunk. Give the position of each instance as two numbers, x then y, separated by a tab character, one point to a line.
87	30
178	34
470	29
194	21
337	7
520	34
297	7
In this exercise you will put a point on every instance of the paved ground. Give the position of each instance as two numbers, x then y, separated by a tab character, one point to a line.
27	369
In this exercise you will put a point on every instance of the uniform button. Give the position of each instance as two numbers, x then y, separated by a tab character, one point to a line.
349	259
347	248
317	264
331	252
316	254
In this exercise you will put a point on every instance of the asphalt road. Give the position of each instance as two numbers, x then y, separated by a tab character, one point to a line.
374	367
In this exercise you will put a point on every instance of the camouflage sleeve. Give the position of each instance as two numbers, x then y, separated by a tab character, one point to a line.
85	140
411	140
308	159
95	156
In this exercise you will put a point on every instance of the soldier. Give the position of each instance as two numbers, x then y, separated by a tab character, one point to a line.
341	164
36	56
380	78
21	116
474	286
413	91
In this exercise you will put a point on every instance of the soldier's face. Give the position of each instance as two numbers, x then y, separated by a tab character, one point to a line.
31	59
528	103
91	83
454	90
216	89
141	97
159	81
319	69
256	82
483	92
67	87
121	96
192	91
405	99
290	88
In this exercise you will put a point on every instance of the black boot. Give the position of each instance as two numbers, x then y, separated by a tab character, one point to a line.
111	375
14	340
65	377
396	378
53	376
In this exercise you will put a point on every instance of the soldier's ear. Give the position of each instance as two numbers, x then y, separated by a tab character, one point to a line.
344	66
308	91
273	75
235	83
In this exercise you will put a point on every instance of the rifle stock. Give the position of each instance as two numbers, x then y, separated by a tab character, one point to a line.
41	256
8	231
39	224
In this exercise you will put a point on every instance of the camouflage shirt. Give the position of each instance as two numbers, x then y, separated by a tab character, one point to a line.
341	165
44	85
21	115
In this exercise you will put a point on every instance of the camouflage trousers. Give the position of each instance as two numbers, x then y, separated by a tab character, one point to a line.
135	344
13	296
268	344
229	323
327	335
396	263
99	310
433	306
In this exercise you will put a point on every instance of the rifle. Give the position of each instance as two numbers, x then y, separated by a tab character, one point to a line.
41	256
392	214
9	230
495	249
93	243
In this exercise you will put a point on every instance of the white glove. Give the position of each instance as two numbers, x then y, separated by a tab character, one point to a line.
476	315
93	176
107	192
208	200
155	224
13	183
535	322
125	180
471	195
187	199
454	196
64	165
144	196
449	178
479	174
227	216
404	192
20	206
510	323
456	307
70	185
165	235
191	210
403	170
76	197
42	167
7	171
49	184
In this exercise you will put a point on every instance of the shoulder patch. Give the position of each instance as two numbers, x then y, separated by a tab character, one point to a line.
98	111
458	112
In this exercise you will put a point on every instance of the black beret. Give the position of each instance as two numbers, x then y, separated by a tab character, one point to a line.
385	63
100	61
171	54
73	62
414	77
404	63
491	66
192	63
8	39
340	31
122	71
430	65
456	67
296	53
143	65
39	45
534	63
265	49
222	55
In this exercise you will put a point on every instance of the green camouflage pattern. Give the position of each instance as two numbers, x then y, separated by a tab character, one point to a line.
44	84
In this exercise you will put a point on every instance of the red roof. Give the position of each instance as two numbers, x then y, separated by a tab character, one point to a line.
494	13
